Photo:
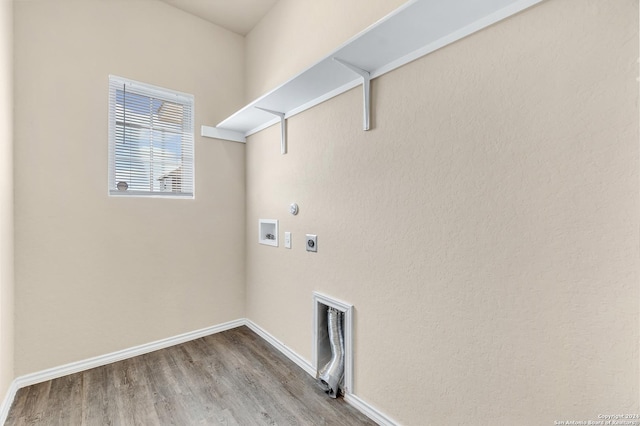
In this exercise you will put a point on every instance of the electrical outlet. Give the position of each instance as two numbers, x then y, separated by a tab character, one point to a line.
312	242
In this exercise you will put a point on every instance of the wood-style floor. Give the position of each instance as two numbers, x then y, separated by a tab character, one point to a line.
229	378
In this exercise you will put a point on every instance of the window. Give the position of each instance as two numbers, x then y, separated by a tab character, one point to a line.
150	140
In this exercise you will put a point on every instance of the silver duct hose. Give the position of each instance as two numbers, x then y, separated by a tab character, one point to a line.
331	375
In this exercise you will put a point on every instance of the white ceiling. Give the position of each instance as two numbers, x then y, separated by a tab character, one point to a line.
239	16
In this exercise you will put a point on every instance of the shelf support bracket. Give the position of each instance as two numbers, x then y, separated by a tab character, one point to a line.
366	90
283	128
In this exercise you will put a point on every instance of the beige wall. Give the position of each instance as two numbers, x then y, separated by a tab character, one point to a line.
486	229
6	196
297	33
96	274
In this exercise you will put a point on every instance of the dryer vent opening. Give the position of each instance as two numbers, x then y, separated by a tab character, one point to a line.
333	345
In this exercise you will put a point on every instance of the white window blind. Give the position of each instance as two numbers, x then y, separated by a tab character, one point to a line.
150	140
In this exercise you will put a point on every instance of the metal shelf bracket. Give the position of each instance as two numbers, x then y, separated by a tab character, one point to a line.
366	90
283	128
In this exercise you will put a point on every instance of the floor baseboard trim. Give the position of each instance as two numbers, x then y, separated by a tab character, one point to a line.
76	367
286	351
360	405
79	366
7	401
369	411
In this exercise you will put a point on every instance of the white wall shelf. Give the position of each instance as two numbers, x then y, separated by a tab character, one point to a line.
415	29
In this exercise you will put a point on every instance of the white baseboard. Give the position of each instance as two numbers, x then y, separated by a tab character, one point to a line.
360	405
7	401
76	367
300	362
369	411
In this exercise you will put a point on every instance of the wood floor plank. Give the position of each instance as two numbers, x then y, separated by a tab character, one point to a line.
35	403
66	390
233	378
134	400
204	398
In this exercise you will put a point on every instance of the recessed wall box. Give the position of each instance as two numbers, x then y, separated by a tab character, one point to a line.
268	232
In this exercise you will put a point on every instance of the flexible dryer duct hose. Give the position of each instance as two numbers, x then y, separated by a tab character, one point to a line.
330	376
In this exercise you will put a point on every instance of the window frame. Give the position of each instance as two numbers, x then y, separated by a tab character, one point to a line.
159	93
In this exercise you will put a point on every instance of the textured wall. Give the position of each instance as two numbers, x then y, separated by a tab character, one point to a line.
296	33
96	274
6	196
486	229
